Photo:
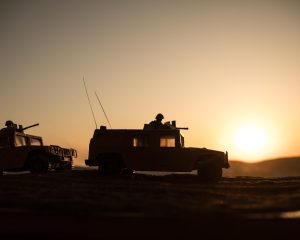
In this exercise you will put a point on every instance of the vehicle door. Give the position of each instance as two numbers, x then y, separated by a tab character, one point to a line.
13	155
141	155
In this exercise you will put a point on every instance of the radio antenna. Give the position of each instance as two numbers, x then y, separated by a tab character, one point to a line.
103	110
87	94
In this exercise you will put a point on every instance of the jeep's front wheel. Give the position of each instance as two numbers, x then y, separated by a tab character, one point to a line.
38	163
209	172
69	166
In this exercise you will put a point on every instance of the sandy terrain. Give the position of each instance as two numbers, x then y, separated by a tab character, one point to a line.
274	168
82	204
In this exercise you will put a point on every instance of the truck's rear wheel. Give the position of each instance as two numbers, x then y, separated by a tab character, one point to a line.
209	172
38	163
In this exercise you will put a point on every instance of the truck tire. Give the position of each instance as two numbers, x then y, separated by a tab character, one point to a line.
209	172
38	163
110	166
127	172
64	166
69	166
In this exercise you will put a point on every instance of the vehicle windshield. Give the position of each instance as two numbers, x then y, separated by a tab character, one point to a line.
181	140
35	142
20	141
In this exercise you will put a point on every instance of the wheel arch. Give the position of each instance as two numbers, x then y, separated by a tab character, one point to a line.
210	158
210	167
101	157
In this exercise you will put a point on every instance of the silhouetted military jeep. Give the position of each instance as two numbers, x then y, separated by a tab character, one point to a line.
20	151
117	150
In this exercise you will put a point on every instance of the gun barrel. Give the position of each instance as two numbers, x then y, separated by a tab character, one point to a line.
34	125
183	128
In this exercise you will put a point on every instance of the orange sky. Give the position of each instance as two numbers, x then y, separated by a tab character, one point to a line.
214	66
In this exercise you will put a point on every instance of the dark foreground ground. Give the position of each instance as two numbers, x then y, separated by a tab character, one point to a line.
83	205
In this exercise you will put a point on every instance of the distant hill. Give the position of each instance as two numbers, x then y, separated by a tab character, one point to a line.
281	167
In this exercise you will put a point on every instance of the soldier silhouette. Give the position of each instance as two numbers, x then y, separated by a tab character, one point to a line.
157	124
9	124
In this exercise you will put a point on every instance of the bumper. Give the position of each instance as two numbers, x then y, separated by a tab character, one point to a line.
91	162
226	161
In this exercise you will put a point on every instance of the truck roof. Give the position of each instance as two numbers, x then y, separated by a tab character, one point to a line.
133	131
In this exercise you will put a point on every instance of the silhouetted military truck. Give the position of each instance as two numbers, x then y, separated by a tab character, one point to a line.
20	151
120	150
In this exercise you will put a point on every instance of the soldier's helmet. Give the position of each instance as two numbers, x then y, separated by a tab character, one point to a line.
9	123
159	117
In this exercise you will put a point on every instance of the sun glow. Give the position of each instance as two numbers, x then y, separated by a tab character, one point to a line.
251	139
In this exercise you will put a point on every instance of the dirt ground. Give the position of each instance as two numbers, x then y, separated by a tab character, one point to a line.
84	205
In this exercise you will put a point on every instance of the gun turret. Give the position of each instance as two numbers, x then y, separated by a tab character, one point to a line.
21	129
172	125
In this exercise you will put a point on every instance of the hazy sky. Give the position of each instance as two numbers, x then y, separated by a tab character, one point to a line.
214	66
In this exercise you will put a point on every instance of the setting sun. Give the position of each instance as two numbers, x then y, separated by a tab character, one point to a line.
250	139
227	70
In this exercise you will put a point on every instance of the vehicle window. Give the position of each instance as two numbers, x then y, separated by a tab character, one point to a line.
167	141
140	142
181	141
20	141
35	142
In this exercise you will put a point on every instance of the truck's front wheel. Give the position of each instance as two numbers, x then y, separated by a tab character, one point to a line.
210	172
69	166
38	163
